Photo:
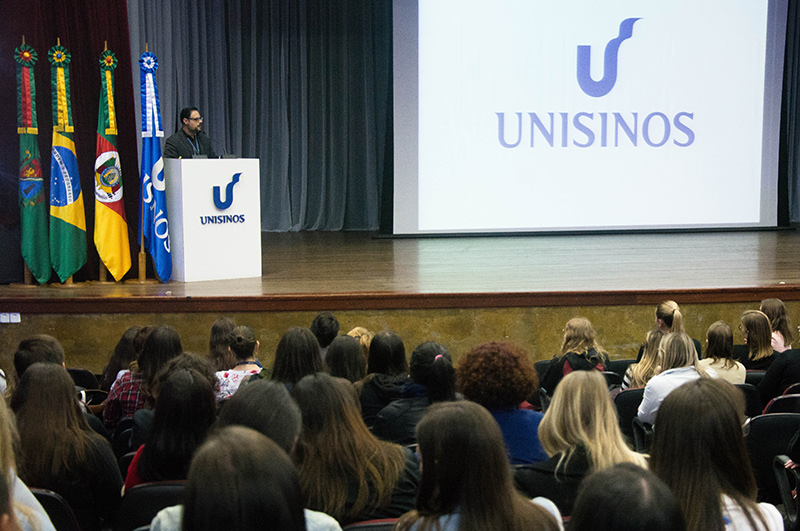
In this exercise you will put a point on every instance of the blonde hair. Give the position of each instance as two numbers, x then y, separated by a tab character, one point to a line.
758	328
580	337
640	373
670	313
364	338
582	415
677	350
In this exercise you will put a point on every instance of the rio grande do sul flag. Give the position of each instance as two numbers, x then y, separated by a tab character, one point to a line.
67	216
110	225
32	205
154	225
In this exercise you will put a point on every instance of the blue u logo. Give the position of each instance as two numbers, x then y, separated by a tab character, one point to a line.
600	88
218	202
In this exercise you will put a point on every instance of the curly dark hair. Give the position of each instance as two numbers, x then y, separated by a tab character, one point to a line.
497	375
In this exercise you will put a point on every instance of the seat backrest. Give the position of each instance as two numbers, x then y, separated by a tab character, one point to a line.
372	525
141	503
541	367
57	509
754	377
84	378
612	378
620	366
793	389
752	399
124	462
768	436
627	404
642	435
783	404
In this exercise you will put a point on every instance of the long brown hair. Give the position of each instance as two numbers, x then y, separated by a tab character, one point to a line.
720	344
758	330
775	310
705	457
336	450
465	469
54	432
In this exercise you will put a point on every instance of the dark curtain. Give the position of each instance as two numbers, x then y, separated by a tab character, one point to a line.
302	85
83	27
789	158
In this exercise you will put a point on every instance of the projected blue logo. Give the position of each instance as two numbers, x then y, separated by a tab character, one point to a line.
597	89
218	202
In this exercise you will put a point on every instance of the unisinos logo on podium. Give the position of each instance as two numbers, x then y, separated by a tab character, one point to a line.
217	203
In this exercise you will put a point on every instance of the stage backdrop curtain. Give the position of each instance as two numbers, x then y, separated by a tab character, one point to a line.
789	163
304	86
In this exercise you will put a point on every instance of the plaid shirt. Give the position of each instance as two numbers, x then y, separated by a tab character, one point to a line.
124	399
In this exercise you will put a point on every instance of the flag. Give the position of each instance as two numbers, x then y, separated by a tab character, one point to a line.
110	225
33	215
154	224
67	217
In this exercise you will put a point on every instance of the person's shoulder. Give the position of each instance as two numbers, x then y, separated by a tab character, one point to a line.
318	521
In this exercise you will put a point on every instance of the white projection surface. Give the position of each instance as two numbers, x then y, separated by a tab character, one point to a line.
534	115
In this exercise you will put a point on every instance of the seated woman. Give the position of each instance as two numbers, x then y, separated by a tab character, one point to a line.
632	498
638	374
364	338
244	345
783	372
124	354
778	316
581	434
719	354
433	379
677	365
757	332
670	319
132	391
499	376
60	451
387	373
345	471
185	411
345	359
218	352
466	480
579	352
296	356
699	452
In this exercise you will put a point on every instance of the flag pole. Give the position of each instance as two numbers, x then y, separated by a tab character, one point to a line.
142	255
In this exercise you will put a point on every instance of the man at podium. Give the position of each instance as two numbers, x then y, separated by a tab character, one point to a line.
189	141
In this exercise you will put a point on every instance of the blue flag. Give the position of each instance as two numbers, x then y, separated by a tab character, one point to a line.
153	200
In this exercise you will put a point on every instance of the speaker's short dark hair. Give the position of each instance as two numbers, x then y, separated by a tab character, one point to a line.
186	112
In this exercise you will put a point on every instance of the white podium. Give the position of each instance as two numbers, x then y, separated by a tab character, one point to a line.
214	212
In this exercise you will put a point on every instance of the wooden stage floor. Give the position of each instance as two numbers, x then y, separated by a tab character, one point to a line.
355	270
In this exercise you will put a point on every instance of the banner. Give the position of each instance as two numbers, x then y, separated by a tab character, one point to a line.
67	217
110	225
33	214
154	224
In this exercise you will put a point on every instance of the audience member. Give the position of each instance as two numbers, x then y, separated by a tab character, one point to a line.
40	348
433	379
783	372
580	351
28	511
626	497
499	376
678	364
133	389
778	316
719	354
364	338
244	345
581	434
59	451
325	328
387	373
345	359
638	374
466	481
757	332
345	471
699	452
670	319
241	480
221	356
185	411
124	354
297	356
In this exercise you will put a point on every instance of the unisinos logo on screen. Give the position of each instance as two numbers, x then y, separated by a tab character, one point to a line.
603	128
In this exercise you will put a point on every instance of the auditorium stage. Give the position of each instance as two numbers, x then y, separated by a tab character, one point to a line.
507	286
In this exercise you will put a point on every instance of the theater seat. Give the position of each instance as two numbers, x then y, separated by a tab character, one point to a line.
57	509
768	436
783	404
141	503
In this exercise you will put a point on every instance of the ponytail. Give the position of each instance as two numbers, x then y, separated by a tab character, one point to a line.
442	379
677	321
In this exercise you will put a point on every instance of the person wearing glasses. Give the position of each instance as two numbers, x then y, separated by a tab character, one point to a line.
189	141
